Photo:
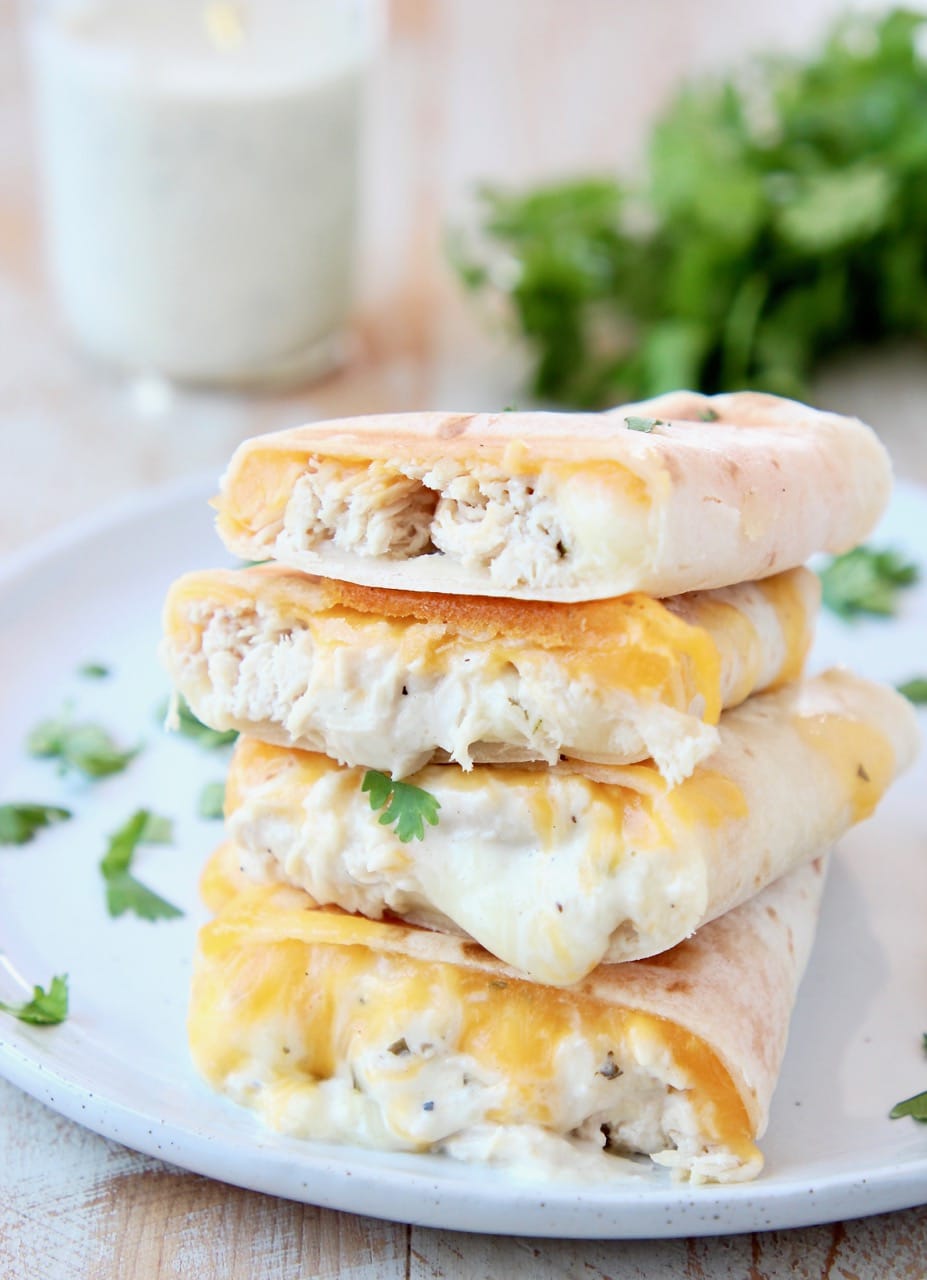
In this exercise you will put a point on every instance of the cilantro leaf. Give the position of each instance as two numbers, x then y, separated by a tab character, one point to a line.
123	892
82	746
915	1107
211	803
408	806
46	1008
865	580
915	689
19	823
642	424
182	719
93	671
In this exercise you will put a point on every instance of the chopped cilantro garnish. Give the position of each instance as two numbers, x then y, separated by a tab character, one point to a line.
93	671
865	580
46	1008
19	823
915	689
123	892
916	1106
181	718
410	807
642	424
211	803
84	746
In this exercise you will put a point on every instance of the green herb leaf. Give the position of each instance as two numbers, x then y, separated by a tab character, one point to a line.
708	415
85	747
46	1008
93	671
123	892
915	1107
643	424
191	727
404	804
770	202
19	823
212	800
865	580
157	830
915	690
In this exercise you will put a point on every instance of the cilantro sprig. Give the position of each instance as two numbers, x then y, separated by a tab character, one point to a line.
211	802
916	1106
866	580
94	671
181	718
915	690
642	424
769	201
20	823
80	746
123	892
46	1008
404	804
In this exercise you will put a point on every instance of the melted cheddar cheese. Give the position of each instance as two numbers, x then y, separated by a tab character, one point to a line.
861	756
632	642
286	996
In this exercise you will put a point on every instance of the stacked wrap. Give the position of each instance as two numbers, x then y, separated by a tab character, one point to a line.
528	819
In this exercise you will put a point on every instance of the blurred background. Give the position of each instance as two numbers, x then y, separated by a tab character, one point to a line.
223	218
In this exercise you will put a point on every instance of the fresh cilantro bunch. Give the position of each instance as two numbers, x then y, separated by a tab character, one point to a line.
783	217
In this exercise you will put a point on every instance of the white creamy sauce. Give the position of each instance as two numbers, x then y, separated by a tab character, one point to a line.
199	173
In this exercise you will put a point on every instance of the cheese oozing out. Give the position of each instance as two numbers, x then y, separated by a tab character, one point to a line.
558	869
377	678
325	1027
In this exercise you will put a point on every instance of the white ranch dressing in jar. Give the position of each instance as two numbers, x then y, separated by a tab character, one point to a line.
199	176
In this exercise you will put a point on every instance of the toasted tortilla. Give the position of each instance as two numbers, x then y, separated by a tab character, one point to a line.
676	494
344	1029
397	679
556	870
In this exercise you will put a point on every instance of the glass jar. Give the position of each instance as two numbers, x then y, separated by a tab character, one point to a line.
199	176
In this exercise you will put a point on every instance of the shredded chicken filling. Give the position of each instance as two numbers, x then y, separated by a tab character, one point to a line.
363	703
482	519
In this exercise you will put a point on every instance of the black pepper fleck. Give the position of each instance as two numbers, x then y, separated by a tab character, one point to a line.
609	1068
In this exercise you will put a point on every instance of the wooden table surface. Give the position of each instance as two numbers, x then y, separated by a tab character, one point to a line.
73	1204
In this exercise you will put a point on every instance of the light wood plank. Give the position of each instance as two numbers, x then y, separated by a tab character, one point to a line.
888	1246
73	1205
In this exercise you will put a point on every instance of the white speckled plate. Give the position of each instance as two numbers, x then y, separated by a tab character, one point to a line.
119	1064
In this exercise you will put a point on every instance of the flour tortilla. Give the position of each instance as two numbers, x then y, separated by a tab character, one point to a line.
396	679
556	870
685	1074
554	506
